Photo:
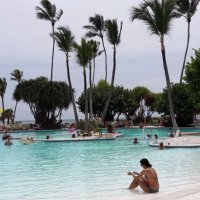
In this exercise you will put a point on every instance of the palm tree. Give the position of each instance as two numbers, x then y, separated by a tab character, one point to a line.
16	75
97	29
3	85
83	55
158	17
65	41
186	9
113	35
48	12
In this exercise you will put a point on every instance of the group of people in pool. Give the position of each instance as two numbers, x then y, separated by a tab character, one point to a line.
161	144
135	140
147	179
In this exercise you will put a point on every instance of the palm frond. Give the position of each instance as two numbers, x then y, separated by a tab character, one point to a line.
91	34
97	27
120	31
156	15
97	21
193	6
168	15
92	31
64	39
194	3
142	13
177	14
94	45
41	14
183	5
59	14
187	8
53	10
112	32
91	28
47	6
83	52
16	75
48	12
3	85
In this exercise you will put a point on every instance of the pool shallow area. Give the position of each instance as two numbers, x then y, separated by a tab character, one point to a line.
91	170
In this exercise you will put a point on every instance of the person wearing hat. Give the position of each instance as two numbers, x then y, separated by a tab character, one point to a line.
147	179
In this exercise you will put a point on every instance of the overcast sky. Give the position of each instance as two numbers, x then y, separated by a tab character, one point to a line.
25	44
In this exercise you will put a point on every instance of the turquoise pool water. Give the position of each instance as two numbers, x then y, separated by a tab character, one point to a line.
90	170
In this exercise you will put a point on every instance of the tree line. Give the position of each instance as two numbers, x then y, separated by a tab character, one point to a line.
157	15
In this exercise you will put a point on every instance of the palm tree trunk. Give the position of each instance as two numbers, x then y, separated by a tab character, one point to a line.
86	99
74	108
94	66
52	57
90	95
188	41
112	84
71	90
106	62
15	111
169	94
3	116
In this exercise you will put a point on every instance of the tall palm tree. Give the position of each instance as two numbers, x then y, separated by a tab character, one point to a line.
158	17
186	9
65	41
113	33
83	55
3	85
97	29
49	12
16	75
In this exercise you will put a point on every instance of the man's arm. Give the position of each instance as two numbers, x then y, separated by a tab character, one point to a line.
141	174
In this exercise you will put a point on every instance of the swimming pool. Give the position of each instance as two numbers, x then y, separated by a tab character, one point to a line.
91	170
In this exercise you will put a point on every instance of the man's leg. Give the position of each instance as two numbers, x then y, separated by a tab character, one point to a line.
143	184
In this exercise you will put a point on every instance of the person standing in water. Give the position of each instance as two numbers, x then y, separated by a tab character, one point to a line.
8	142
147	179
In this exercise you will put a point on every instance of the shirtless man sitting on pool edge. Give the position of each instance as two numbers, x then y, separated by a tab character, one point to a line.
147	179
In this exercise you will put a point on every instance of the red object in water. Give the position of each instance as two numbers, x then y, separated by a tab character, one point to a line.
71	130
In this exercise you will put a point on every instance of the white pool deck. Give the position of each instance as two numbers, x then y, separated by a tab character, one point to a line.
183	141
